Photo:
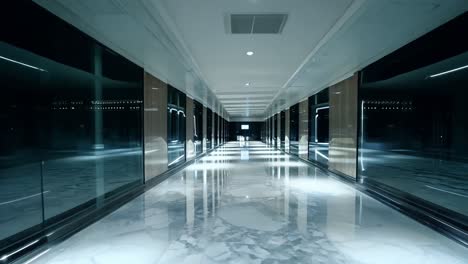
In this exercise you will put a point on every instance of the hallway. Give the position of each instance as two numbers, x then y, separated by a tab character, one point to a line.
254	204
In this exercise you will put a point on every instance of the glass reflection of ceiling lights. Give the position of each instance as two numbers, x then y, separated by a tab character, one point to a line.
23	64
449	71
173	109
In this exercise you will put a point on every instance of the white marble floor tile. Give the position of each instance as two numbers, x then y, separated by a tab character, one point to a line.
253	204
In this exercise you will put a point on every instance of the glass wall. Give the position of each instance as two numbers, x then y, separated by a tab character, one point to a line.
275	130
70	123
209	128
319	127
216	130
176	103
414	121
198	126
270	130
294	129
283	129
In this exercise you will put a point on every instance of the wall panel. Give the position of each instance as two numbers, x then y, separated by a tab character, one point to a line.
155	126
190	145
303	129
343	126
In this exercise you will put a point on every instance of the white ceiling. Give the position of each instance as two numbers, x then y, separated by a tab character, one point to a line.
222	56
323	41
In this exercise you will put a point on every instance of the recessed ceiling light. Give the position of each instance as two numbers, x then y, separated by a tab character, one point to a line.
247	84
249	53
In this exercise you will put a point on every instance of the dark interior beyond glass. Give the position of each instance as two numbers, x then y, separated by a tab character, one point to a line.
294	129
198	126
176	105
275	130
216	130
70	122
414	119
270	123
253	133
209	128
282	129
319	126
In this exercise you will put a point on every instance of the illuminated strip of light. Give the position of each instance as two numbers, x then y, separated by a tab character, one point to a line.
445	72
20	63
36	257
442	190
321	155
176	160
5	257
23	198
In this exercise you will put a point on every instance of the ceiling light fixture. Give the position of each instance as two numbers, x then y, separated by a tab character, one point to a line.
249	53
450	71
247	84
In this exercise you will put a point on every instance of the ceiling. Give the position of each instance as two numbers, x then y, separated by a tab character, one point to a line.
222	57
322	42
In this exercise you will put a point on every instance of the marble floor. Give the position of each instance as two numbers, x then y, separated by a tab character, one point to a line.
253	204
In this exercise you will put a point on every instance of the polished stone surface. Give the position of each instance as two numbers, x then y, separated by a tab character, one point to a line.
253	204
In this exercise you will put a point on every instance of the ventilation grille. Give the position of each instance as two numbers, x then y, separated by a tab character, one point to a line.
257	23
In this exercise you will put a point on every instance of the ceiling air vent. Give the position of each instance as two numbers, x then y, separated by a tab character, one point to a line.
257	23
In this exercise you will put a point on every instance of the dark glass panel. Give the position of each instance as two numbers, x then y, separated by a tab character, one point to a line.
209	128
275	131
198	126
294	129
175	126
414	120
283	129
319	127
71	120
216	130
20	142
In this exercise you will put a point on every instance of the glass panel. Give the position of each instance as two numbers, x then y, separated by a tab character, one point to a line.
209	128
70	122
20	141
176	126
283	129
294	129
319	127
414	120
215	137
275	131
198	126
94	143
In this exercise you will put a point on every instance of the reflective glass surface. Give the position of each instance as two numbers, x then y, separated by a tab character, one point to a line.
414	120
198	126
216	130
70	122
283	129
209	128
176	105
319	127
294	129
275	131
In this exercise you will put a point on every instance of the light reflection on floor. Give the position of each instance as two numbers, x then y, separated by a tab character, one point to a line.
270	208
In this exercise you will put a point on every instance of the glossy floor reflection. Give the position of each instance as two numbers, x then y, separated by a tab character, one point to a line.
253	204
